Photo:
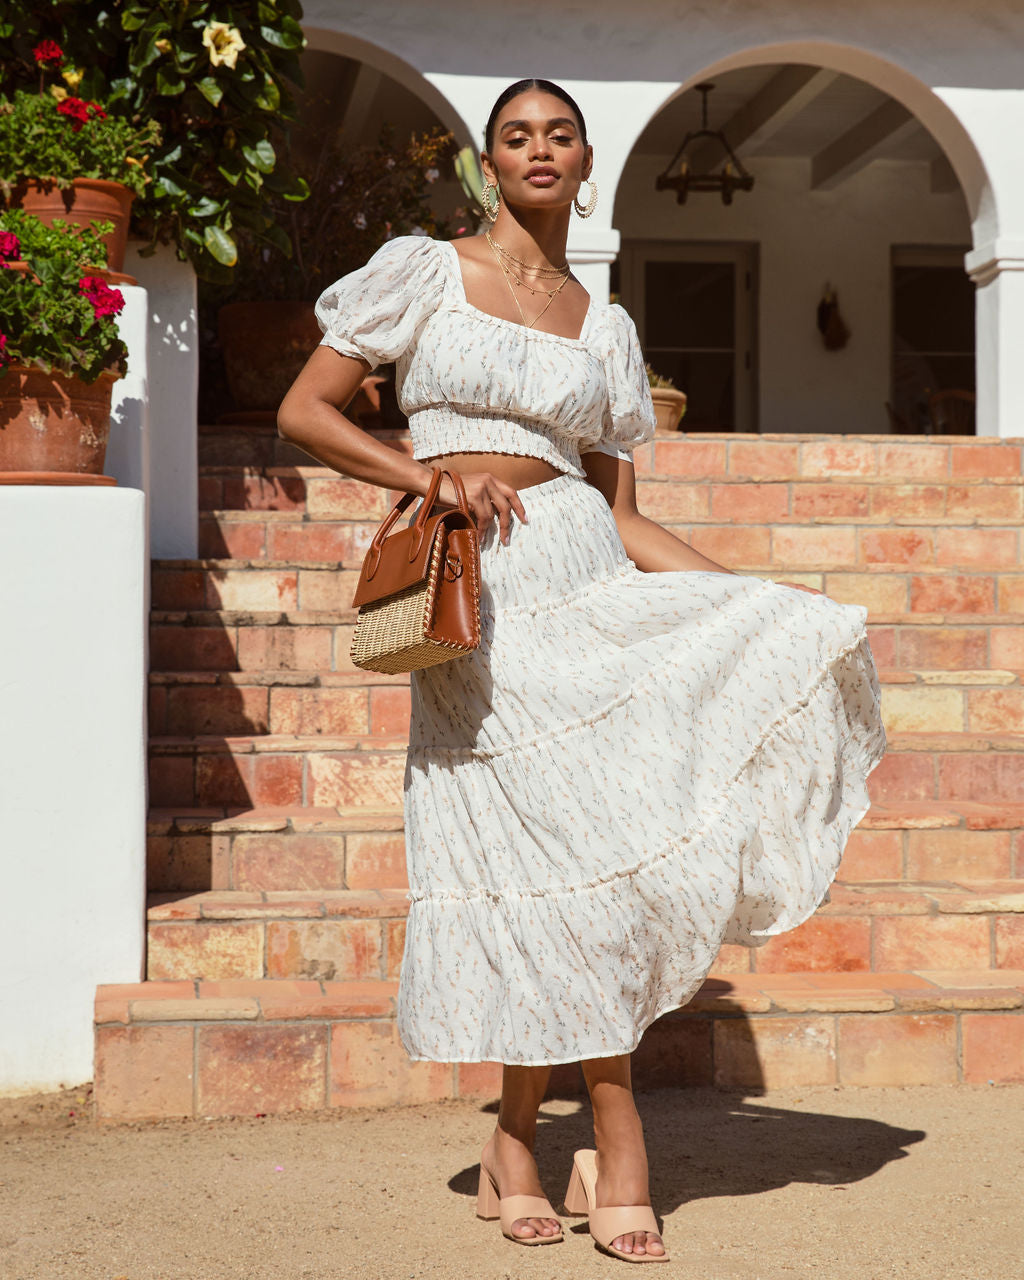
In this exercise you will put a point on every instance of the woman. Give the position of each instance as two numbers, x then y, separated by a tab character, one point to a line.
648	756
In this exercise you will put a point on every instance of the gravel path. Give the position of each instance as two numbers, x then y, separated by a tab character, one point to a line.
923	1183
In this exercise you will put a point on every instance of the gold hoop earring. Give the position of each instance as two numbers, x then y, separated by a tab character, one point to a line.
586	210
490	211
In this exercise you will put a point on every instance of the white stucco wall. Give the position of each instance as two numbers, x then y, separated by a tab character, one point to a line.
172	375
127	457
72	770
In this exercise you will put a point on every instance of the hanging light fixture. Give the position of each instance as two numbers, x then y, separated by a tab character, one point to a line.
729	178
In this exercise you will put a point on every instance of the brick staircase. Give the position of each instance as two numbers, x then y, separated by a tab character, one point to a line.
276	858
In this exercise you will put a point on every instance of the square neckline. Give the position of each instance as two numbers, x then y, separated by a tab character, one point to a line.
456	270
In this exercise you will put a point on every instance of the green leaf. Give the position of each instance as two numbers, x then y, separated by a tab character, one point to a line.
165	186
300	191
262	156
221	246
288	35
133	19
210	90
270	98
206	208
168	84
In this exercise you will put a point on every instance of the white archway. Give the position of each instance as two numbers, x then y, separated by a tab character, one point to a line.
919	98
1000	388
327	40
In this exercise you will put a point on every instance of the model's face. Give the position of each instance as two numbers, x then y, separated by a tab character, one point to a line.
538	159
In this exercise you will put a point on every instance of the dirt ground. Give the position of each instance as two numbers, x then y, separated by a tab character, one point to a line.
923	1183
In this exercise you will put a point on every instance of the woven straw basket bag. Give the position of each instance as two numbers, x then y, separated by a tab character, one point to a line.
418	593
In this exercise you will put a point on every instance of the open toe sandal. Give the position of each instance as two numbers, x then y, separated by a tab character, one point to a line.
612	1221
509	1209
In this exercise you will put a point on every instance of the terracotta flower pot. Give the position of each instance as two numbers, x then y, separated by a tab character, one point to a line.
86	200
265	344
50	423
669	407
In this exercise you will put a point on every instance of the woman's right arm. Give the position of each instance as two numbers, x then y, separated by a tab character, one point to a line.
311	417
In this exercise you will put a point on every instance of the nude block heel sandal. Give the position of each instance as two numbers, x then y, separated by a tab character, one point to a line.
615	1220
508	1210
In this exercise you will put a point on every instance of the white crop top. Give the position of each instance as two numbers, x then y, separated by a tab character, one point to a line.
470	382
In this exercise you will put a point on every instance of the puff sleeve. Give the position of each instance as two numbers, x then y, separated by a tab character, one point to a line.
375	313
629	416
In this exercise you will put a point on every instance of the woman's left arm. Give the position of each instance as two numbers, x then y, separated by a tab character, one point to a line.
650	546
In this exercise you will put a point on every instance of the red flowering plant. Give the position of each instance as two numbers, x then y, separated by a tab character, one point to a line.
57	312
53	135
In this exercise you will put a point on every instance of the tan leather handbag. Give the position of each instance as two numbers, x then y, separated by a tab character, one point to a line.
418	593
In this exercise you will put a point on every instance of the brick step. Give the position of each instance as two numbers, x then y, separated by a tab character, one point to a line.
874	463
276	848
985	700
983	767
278	702
343	532
345	935
227	447
244	1047
323	848
287	585
351	772
929	840
315	702
251	640
335	936
948	641
361	772
254	585
885	479
318	640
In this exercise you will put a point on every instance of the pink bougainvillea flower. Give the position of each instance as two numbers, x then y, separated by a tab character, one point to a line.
10	247
104	300
48	53
4	358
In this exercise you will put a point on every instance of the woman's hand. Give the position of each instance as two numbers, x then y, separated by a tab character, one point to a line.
487	497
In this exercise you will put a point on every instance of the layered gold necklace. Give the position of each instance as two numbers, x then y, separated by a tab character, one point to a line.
512	269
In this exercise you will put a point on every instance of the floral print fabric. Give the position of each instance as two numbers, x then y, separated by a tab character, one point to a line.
633	769
470	381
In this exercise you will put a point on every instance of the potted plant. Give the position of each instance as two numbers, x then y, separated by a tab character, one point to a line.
669	401
60	352
358	199
214	76
65	156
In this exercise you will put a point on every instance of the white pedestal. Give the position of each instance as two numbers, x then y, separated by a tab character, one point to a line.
72	771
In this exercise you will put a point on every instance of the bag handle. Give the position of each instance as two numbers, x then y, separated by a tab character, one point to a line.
419	525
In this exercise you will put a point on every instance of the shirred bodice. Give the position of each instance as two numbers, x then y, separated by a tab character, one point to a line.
473	382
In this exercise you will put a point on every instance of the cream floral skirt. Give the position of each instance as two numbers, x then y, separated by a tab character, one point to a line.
632	770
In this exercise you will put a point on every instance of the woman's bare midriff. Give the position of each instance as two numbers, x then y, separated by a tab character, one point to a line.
520	472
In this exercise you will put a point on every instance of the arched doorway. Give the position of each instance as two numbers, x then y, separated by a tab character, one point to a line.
854	199
372	139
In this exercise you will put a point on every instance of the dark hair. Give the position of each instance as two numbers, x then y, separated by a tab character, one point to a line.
523	86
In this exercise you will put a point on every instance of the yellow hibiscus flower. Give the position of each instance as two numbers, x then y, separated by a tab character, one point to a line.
224	43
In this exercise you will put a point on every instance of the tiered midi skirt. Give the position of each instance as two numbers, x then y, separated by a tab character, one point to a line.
633	769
